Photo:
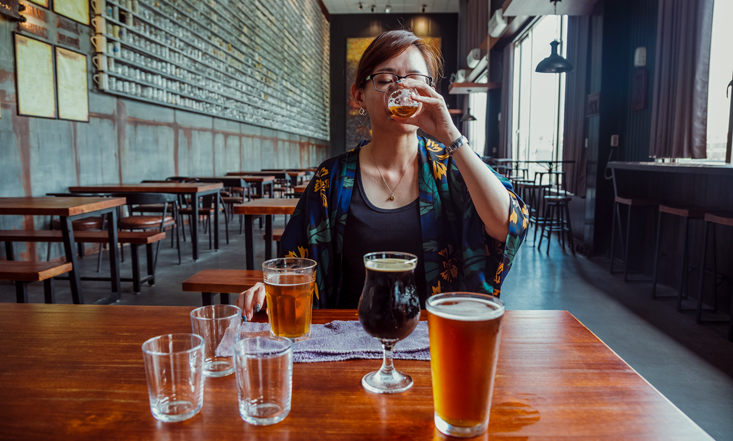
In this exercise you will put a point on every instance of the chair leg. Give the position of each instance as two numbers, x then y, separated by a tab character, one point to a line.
99	258
226	225
715	272
80	248
208	222
626	246
178	241
698	312
571	238
656	256
560	214
21	292
553	214
149	261
613	234
683	271
49	293
135	268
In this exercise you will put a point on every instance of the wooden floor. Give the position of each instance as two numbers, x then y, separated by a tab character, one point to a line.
690	364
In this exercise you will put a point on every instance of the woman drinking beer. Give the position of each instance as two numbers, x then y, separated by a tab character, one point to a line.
402	192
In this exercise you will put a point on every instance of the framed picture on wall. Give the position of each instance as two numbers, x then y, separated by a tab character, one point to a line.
73	89
77	10
34	77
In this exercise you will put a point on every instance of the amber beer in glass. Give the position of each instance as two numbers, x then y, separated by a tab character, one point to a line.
464	346
289	286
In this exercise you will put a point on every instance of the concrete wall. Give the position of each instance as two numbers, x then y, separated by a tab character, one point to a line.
125	141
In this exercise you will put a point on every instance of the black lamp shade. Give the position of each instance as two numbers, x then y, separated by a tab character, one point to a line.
554	63
468	116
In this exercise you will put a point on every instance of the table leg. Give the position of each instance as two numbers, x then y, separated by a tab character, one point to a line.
268	237
272	190
249	242
215	226
68	234
114	259
260	189
195	226
9	253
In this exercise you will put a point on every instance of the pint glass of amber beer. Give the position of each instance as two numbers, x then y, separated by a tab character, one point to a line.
464	346
289	286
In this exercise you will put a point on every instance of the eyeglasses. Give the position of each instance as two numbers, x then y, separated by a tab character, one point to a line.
384	82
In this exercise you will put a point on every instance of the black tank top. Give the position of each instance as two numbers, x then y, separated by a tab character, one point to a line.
370	229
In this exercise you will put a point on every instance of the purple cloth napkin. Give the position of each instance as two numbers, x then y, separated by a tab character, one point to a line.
337	341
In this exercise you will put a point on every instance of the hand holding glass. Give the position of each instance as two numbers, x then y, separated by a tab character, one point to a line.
289	286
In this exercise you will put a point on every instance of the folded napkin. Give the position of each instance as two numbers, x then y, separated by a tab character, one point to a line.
337	341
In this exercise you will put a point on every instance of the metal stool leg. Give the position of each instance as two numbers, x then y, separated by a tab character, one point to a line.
656	255
698	313
613	234
626	246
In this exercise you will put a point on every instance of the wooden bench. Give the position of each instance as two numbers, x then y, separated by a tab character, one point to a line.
23	273
217	281
134	238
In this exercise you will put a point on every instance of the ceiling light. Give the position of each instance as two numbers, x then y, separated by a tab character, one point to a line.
423	8
555	63
468	116
360	6
372	8
388	9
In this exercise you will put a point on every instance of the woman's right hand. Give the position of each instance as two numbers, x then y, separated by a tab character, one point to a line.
252	301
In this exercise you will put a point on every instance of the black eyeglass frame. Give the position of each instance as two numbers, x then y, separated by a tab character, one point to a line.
399	78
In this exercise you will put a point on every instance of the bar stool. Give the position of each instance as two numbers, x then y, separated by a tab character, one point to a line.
557	214
538	199
687	214
712	219
630	203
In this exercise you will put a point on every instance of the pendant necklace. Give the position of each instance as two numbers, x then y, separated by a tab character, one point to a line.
391	192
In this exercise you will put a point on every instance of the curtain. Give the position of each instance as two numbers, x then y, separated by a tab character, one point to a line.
578	40
507	92
679	105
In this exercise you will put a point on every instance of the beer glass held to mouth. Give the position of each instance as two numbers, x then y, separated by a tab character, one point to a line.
289	286
465	330
389	310
401	104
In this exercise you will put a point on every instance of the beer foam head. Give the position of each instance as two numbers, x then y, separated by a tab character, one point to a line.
468	308
391	264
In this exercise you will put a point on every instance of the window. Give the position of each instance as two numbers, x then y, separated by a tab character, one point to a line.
539	98
477	104
721	67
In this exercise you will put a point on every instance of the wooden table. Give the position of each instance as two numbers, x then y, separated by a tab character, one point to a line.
194	189
555	379
266	207
288	176
69	209
300	189
210	282
261	181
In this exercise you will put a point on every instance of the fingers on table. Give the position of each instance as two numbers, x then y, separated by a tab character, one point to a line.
252	300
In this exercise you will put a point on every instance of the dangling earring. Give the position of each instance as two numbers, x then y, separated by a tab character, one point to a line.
362	111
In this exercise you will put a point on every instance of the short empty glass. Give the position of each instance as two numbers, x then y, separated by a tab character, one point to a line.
212	323
173	366
264	369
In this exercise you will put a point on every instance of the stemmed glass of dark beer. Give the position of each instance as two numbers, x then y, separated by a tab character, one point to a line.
389	309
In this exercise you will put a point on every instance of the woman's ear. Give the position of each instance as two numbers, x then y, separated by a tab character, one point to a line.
358	94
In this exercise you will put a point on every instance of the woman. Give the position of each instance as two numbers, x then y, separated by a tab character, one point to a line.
402	192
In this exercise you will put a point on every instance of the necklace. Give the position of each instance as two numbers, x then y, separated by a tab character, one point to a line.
391	192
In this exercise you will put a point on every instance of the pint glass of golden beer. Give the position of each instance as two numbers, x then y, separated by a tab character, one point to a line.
464	346
289	286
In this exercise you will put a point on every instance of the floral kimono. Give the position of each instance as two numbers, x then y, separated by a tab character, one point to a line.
457	253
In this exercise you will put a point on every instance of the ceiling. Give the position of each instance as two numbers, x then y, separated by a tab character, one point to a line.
398	6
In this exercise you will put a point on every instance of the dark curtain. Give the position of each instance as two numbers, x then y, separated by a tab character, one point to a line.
679	106
507	92
574	148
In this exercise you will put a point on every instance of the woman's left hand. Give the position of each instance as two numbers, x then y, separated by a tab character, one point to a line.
434	118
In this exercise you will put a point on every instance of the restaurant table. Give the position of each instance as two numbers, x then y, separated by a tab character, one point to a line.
194	189
266	207
288	176
555	380
259	181
300	189
549	163
69	209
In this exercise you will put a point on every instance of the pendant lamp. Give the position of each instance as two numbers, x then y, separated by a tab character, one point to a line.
555	63
468	116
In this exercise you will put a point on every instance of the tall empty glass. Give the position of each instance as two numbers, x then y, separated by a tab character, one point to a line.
289	286
465	330
173	366
264	367
212	323
389	310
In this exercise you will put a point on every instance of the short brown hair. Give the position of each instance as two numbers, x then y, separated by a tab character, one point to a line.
391	44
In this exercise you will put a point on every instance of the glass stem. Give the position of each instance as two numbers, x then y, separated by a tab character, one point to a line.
387	361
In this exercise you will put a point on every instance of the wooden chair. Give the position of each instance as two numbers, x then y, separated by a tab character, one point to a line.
147	222
214	281
23	273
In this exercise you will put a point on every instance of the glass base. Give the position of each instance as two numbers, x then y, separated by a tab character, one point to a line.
263	414
219	367
459	432
381	383
174	411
